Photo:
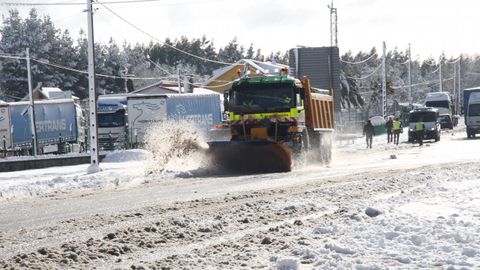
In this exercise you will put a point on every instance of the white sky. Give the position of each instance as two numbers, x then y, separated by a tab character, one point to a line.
431	26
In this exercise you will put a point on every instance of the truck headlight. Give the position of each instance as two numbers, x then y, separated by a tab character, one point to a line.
411	130
432	129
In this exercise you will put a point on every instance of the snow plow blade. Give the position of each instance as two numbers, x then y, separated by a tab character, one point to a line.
250	157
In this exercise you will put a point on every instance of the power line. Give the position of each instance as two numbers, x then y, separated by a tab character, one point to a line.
429	64
12	56
97	74
359	62
217	86
72	3
65	3
161	42
7	56
165	4
367	76
453	61
159	67
422	83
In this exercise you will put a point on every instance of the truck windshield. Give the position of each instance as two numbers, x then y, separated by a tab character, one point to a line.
257	98
116	119
474	110
424	116
438	104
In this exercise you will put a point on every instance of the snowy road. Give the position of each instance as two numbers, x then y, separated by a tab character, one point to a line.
313	217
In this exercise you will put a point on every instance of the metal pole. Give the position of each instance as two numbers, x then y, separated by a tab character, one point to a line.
440	74
384	80
459	84
32	105
92	95
333	26
410	98
179	79
454	84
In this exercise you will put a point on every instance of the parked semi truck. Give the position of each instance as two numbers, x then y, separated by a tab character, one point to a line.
443	102
59	123
471	107
146	110
112	121
274	119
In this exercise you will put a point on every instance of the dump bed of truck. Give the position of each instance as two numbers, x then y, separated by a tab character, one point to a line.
319	112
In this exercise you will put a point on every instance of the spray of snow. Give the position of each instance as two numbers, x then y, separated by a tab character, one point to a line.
176	146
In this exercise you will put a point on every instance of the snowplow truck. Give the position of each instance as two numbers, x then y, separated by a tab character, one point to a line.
274	121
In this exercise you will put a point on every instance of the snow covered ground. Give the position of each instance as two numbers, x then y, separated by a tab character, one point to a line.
390	207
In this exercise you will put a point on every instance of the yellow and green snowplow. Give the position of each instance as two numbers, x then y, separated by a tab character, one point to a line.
272	121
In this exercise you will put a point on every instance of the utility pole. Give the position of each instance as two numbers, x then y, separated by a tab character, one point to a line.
440	74
92	95
384	81
410	98
179	66
455	96
32	106
459	83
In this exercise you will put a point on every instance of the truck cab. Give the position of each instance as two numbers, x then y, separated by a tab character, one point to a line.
112	121
281	109
267	108
472	115
443	103
430	117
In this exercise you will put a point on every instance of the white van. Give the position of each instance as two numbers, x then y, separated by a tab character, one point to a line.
472	115
430	117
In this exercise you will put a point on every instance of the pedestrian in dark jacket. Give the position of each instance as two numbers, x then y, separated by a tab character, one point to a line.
389	126
369	131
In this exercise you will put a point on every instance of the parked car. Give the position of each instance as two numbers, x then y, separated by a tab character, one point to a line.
446	121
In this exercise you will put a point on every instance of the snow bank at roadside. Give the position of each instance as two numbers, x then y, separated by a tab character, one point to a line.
127	155
431	226
120	169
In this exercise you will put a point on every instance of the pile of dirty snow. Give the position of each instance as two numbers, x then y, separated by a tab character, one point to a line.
119	169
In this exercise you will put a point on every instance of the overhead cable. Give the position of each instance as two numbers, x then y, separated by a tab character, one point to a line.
429	64
359	62
159	67
161	42
453	61
422	83
44	62
438	68
217	86
72	3
367	76
97	74
64	3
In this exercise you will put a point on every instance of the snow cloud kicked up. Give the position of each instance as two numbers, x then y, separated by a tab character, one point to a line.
176	146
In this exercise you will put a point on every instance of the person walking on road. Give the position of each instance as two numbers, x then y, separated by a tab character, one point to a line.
420	131
389	126
397	128
369	131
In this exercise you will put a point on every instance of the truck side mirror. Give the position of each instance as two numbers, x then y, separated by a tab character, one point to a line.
302	93
226	102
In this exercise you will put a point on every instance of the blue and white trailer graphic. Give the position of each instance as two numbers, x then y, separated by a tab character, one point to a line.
56	121
145	111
